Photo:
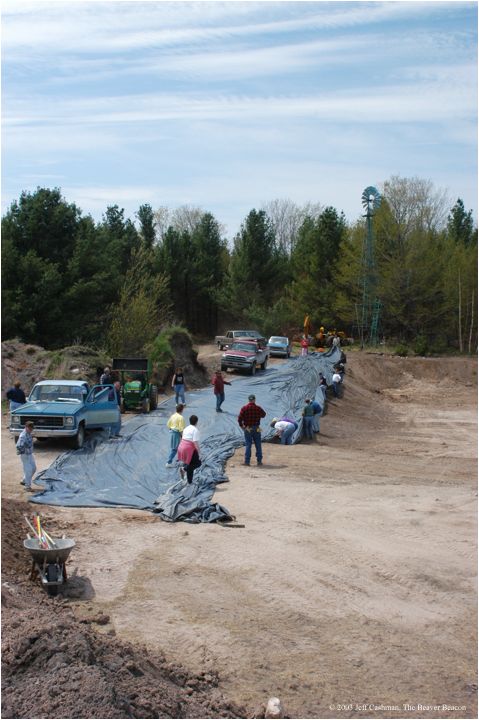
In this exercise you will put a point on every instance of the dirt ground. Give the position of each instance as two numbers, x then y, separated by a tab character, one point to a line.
352	595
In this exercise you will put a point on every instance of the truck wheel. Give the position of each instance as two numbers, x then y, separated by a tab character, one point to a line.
220	346
15	438
253	369
265	364
122	407
79	438
153	397
224	368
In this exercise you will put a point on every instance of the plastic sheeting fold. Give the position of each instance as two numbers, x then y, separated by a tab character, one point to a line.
130	471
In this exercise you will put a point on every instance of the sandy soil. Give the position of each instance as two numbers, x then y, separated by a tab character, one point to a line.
351	590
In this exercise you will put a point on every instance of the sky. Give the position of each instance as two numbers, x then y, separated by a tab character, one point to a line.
229	105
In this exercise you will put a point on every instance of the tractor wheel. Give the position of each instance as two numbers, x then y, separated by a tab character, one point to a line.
153	397
145	405
79	438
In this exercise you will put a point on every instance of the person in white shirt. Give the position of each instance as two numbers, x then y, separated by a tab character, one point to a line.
284	428
189	449
336	383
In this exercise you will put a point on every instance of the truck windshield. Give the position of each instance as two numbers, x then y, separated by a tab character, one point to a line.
246	347
52	393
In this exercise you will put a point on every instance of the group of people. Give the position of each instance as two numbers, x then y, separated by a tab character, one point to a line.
185	440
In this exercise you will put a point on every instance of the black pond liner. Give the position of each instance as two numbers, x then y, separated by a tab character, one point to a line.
130	471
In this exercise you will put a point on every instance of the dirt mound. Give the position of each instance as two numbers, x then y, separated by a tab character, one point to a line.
26	363
196	375
377	372
31	363
55	665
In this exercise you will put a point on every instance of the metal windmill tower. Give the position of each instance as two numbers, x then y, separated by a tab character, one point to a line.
367	312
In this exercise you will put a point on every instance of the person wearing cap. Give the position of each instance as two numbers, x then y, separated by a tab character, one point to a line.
284	428
249	419
25	450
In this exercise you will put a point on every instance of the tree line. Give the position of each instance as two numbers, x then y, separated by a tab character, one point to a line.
116	283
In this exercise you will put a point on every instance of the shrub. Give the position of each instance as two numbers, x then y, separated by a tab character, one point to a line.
421	345
401	350
56	360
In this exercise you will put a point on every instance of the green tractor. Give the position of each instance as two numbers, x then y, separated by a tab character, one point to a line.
137	392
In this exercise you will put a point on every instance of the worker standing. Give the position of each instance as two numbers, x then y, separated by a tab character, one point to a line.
219	383
16	396
25	450
189	450
336	379
179	386
308	414
176	425
249	419
317	414
304	345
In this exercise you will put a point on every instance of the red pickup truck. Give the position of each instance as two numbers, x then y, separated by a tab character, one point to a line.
245	355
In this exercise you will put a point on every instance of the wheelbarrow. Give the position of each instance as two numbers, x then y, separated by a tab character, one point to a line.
49	564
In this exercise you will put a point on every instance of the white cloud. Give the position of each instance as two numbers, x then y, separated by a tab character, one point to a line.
125	26
429	102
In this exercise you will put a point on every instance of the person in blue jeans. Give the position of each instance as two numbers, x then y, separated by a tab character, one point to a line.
176	425
285	427
336	382
219	383
249	419
308	414
179	386
317	414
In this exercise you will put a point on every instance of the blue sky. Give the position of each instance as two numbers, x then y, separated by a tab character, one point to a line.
229	105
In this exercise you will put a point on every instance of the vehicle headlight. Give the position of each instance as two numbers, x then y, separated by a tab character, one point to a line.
15	419
69	421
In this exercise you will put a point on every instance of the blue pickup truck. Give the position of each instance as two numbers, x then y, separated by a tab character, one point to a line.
67	408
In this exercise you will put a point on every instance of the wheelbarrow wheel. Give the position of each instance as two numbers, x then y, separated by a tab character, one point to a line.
52	576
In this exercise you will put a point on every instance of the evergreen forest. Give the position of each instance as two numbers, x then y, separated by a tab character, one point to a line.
116	284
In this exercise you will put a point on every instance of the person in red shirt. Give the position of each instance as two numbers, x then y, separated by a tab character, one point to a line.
304	345
249	419
219	383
